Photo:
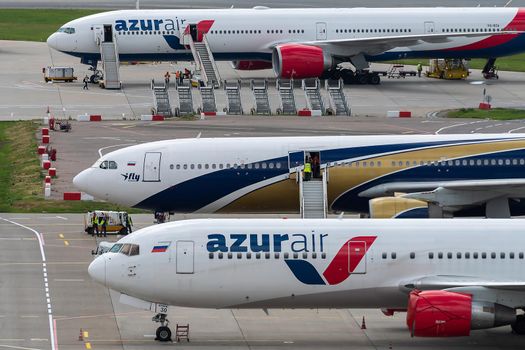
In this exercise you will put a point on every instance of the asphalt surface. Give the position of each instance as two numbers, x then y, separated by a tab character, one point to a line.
127	4
77	303
24	94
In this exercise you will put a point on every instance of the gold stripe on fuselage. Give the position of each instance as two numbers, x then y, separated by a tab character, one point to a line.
283	196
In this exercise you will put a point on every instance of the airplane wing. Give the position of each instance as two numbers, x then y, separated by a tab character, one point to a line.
450	281
377	45
456	195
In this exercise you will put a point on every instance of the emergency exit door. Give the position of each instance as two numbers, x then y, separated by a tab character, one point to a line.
356	257
321	31
184	251
429	27
151	167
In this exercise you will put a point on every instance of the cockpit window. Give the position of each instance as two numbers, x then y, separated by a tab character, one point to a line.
130	249
67	30
115	248
125	249
108	164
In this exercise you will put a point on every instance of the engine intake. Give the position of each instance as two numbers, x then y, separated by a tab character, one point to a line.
397	207
297	61
450	314
251	65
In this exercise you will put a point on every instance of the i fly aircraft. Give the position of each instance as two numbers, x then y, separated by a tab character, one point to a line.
451	275
299	43
384	176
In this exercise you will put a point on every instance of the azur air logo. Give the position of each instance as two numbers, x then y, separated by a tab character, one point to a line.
345	262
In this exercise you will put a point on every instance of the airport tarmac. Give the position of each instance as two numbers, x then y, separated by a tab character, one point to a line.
24	94
34	314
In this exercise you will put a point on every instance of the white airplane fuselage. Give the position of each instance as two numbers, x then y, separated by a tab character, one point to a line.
248	175
356	263
250	34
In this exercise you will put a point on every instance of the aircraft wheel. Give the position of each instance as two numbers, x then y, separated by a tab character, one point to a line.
163	334
518	327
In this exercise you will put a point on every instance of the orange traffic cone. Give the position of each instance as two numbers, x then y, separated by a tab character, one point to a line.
81	335
363	324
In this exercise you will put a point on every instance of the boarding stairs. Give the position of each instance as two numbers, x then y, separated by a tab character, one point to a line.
208	99
338	103
260	93
312	92
161	99
313	197
185	101
233	93
285	88
203	57
110	64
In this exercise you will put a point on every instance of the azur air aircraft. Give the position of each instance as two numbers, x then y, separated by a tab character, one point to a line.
299	43
450	275
384	176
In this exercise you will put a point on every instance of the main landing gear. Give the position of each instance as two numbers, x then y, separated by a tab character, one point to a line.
490	71
163	333
518	327
361	77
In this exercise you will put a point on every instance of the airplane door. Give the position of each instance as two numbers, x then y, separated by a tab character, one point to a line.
185	260
295	159
98	32
321	31
151	167
108	33
429	27
356	257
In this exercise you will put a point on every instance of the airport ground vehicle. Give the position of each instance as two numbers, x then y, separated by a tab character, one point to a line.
65	74
449	69
451	276
116	221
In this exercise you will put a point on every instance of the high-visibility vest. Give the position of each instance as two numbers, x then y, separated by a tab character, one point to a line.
94	220
308	168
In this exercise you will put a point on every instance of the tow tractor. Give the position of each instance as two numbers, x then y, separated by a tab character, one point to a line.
448	69
65	74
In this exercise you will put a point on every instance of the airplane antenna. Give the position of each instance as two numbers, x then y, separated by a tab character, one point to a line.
340	216
508	3
137	4
199	135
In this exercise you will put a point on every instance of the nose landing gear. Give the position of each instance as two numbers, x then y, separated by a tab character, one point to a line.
163	333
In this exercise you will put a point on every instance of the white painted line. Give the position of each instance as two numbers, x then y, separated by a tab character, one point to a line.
29	316
48	301
43	255
39	339
448	127
511	131
47	295
61	217
16	347
45	274
69	280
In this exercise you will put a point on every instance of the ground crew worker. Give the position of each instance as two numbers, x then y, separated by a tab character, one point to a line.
419	69
167	78
129	223
181	78
94	223
307	170
102	221
177	77
85	81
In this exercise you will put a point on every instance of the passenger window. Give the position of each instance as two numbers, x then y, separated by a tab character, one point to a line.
393	255
412	255
314	255
134	250
221	255
210	255
178	166
511	255
305	255
440	255
475	255
449	255
323	255
431	255
493	255
257	255
383	255
502	255
185	166
483	255
520	255
267	255
239	255
458	255
276	255
467	255
125	249
295	255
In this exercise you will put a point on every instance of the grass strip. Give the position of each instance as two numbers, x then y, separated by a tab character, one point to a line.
495	114
21	178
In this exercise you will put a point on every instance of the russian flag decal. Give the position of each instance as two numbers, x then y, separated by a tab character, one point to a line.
161	247
131	163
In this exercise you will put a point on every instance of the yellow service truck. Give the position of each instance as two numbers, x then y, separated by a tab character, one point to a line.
448	69
116	221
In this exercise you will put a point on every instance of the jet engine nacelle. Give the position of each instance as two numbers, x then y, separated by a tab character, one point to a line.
440	313
297	61
251	65
397	207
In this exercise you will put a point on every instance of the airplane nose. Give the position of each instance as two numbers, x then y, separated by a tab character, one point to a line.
52	41
97	270
81	181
